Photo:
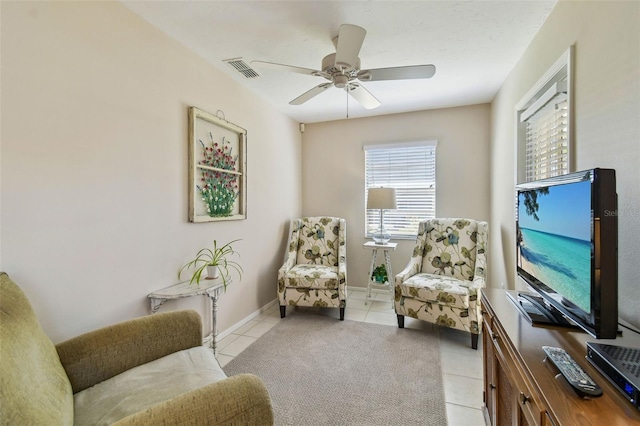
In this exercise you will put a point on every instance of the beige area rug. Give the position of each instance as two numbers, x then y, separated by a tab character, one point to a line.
322	371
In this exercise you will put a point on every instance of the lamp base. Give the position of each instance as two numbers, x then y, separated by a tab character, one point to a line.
381	237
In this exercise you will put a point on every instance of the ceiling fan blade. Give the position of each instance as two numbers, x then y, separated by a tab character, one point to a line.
350	40
310	94
397	73
363	96
290	68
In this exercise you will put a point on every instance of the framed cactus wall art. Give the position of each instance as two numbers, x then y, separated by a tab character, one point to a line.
217	168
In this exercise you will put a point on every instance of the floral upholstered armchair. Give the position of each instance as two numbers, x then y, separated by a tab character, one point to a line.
315	267
442	282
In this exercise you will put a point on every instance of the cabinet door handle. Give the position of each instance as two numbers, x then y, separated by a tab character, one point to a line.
524	398
494	336
492	386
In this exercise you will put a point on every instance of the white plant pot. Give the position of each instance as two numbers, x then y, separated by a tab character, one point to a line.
213	272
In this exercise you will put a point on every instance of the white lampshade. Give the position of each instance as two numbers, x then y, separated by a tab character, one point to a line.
381	198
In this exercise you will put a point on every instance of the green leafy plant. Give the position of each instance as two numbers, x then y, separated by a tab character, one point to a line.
379	274
219	257
220	188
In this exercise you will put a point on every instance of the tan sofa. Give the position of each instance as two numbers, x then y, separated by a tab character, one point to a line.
148	371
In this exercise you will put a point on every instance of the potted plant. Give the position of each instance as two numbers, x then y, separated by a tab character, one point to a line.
216	262
380	274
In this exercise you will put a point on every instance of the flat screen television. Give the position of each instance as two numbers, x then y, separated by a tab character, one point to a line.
567	247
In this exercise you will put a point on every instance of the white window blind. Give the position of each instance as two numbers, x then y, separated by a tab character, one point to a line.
547	142
410	168
544	124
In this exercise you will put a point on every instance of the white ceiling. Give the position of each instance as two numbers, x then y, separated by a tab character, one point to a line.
473	44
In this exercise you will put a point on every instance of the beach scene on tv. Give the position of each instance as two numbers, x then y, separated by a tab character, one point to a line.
554	239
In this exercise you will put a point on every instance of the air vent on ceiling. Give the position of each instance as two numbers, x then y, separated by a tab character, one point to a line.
242	67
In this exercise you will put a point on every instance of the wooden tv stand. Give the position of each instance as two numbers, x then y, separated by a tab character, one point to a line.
520	388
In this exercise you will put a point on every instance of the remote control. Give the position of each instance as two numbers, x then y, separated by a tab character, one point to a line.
581	382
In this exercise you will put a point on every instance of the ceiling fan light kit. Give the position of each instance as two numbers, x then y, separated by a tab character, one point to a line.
343	71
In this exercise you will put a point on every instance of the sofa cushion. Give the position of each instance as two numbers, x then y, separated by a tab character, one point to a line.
437	289
34	386
146	385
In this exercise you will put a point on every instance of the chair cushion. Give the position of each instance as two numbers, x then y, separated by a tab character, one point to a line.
35	388
146	385
450	248
312	276
439	289
318	241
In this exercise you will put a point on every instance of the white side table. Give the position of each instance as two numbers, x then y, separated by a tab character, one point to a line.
210	288
374	247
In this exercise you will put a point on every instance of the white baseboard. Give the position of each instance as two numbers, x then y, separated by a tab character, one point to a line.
375	288
245	320
255	314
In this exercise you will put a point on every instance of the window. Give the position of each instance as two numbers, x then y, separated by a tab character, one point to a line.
410	168
546	143
544	124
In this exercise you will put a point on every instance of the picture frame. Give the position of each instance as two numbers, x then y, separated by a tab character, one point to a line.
217	168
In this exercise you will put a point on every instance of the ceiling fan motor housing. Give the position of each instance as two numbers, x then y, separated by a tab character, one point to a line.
330	67
340	81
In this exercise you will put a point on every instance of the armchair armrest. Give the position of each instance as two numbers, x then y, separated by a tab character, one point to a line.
289	263
101	354
415	263
342	252
290	257
237	400
342	273
478	283
412	268
480	267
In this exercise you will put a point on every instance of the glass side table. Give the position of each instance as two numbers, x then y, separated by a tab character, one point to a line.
210	288
374	247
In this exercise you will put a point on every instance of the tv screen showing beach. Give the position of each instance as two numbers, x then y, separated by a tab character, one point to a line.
554	239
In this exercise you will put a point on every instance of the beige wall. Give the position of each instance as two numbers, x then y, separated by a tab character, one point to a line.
607	125
93	159
94	167
333	171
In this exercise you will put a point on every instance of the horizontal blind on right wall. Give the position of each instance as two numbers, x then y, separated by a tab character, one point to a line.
547	145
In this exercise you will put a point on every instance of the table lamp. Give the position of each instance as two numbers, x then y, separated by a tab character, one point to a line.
383	199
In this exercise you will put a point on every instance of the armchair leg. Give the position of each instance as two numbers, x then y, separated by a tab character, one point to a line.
474	341
283	311
400	321
341	314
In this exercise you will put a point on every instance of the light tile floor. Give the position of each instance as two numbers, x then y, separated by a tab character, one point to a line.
461	365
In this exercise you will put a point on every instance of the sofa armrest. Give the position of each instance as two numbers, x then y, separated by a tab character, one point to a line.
101	354
237	400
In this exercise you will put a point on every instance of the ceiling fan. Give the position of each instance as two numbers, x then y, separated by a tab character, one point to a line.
343	71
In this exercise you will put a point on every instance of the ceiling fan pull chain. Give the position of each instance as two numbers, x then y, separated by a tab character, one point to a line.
347	100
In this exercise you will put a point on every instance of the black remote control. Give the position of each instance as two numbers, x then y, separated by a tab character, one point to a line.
581	382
